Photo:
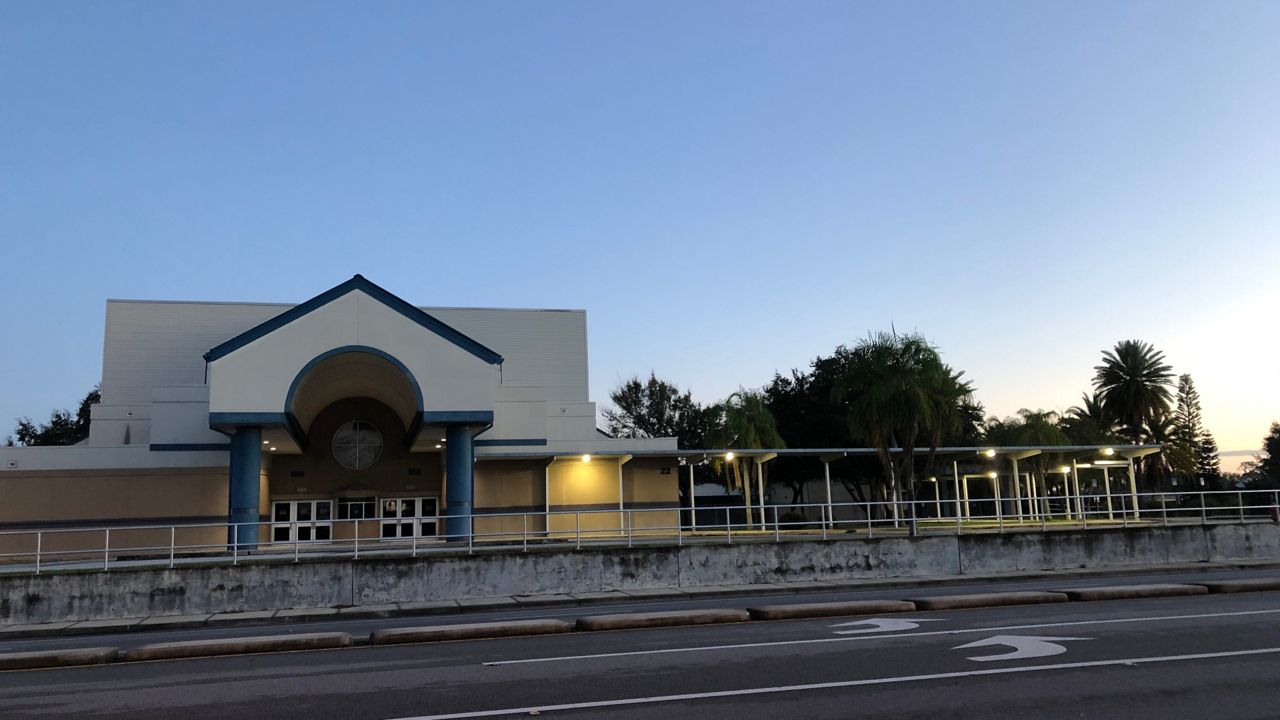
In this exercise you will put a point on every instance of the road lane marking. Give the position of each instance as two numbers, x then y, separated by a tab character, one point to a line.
883	625
1024	646
839	684
778	643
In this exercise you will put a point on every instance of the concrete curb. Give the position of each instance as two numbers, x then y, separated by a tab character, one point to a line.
984	600
57	658
468	631
673	618
1239	586
240	646
832	609
1131	592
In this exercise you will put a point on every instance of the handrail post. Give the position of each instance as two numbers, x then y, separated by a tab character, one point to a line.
356	546
173	535
1240	503
413	543
1204	513
577	529
728	526
39	540
106	547
524	532
295	540
630	520
777	531
1164	511
867	510
824	511
235	544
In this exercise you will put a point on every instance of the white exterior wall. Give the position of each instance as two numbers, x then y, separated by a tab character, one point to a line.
256	377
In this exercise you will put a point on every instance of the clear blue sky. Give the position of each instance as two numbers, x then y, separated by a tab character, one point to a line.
728	188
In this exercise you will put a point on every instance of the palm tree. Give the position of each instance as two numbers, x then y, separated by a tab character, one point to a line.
744	421
1133	384
1088	423
899	395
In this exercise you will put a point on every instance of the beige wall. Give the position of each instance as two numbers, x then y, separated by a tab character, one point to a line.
54	498
648	483
509	486
573	484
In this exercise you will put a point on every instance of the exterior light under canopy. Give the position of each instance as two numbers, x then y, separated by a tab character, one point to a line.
993	475
728	456
989	452
586	458
1108	451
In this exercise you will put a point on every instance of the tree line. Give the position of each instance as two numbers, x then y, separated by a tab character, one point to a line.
894	390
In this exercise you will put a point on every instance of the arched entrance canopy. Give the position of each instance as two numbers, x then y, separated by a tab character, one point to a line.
354	371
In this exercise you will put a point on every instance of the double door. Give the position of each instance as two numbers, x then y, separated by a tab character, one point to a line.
409	517
301	520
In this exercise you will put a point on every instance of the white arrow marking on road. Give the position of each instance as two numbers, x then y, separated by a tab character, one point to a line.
1024	646
874	625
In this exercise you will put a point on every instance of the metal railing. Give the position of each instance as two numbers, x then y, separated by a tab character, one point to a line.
40	550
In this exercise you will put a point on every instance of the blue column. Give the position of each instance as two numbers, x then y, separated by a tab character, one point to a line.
243	487
459	457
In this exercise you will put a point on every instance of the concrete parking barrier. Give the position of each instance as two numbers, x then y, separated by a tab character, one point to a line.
1239	586
829	609
981	600
1130	592
57	658
672	618
238	646
468	631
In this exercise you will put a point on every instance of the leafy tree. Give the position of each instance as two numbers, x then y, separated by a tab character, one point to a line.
1133	385
1208	466
1030	427
63	428
657	408
1269	461
901	395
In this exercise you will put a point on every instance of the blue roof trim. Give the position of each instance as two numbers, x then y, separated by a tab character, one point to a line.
359	282
219	420
414	426
190	447
455	417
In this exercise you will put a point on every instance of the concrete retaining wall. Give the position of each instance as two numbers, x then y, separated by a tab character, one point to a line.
328	583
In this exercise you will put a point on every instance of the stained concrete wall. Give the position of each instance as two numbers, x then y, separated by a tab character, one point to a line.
326	583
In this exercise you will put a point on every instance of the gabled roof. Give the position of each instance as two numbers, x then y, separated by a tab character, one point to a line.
356	283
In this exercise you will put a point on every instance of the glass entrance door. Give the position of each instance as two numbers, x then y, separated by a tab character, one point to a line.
302	520
409	517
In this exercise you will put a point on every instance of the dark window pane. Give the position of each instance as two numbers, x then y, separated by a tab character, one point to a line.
389	508
304	512
304	533
408	508
282	512
388	530
322	532
429	507
429	529
322	510
280	534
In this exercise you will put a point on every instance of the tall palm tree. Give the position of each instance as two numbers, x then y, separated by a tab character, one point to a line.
1134	385
744	422
900	395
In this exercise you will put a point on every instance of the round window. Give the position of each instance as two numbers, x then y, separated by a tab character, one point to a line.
357	445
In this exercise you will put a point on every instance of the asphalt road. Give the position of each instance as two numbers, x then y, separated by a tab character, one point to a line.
1210	656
